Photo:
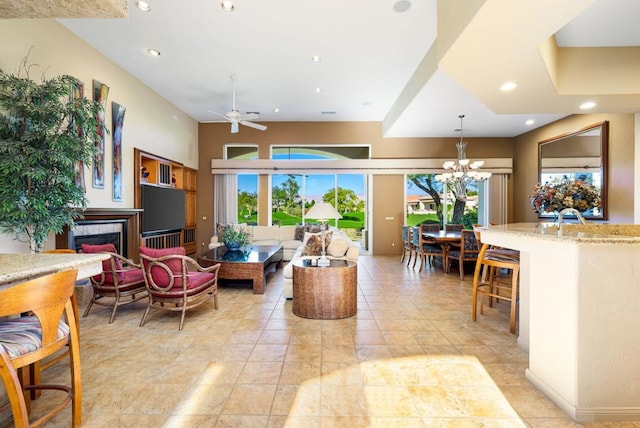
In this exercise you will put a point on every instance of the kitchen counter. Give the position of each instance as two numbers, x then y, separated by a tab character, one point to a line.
579	314
19	267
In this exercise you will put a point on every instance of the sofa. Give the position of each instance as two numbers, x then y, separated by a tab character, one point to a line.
266	235
339	247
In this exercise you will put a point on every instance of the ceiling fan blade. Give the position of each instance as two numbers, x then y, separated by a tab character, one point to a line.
224	116
253	125
234	127
249	116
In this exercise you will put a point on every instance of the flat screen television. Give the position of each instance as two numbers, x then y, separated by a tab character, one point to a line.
163	209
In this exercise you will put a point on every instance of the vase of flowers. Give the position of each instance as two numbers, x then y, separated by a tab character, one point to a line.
233	238
558	194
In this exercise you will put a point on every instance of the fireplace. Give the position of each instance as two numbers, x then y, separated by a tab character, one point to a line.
114	238
101	226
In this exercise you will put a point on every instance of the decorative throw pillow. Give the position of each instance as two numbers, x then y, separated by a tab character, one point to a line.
337	248
106	264
313	246
160	275
299	235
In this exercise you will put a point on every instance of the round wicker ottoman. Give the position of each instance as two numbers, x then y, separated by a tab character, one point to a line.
328	292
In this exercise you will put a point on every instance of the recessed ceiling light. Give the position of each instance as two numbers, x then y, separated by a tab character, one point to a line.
402	6
227	6
587	105
530	122
153	52
315	58
276	110
318	90
143	6
508	86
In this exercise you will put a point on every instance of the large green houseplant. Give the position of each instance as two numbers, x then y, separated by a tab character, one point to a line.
44	131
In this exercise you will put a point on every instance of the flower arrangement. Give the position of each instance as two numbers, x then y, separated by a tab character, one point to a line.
234	238
564	193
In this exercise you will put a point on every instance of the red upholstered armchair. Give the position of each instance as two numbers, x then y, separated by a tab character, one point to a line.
177	282
121	281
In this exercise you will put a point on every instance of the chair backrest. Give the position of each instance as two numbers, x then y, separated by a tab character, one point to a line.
415	236
111	268
453	227
469	243
60	251
164	269
405	233
429	228
48	297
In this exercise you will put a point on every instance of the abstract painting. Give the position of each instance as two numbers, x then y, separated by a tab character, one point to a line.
77	91
117	120
100	93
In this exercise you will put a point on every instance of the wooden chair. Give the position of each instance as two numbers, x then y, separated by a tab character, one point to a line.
466	251
407	248
38	367
29	339
172	285
453	227
121	281
487	281
429	249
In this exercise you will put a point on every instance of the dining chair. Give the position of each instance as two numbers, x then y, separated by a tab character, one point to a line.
121	281
453	227
466	251
406	244
24	340
429	248
176	282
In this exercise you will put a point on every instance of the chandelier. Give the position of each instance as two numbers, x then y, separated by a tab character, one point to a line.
461	173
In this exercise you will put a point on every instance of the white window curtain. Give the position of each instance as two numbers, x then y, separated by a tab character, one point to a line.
225	199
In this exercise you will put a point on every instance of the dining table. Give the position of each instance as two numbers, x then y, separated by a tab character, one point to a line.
446	239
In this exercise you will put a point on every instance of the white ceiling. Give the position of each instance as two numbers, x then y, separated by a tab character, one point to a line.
371	57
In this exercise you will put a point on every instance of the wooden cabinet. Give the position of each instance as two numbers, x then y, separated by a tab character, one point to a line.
189	233
152	170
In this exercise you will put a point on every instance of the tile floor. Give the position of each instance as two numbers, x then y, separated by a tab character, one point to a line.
411	357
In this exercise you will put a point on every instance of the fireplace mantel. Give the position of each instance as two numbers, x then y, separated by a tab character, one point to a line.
130	216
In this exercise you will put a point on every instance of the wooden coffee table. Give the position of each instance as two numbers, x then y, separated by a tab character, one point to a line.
252	264
325	292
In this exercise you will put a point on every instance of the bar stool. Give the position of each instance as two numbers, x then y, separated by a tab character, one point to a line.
29	339
486	282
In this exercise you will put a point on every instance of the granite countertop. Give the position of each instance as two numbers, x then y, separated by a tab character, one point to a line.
583	233
18	267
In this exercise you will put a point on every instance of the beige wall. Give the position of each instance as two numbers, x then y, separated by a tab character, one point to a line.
387	192
621	163
151	122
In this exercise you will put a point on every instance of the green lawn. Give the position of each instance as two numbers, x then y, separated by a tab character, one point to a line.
416	219
351	221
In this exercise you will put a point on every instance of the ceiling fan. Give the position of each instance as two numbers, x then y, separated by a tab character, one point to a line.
236	118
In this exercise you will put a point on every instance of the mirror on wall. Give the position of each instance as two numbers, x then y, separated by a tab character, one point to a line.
578	156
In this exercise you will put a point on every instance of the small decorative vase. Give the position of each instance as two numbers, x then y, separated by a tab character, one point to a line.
232	246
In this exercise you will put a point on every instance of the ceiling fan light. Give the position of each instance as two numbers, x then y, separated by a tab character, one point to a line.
227	6
143	6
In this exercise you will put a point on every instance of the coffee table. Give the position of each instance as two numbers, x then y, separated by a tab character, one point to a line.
252	264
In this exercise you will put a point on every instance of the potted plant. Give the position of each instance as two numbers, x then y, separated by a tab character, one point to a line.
234	238
44	132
